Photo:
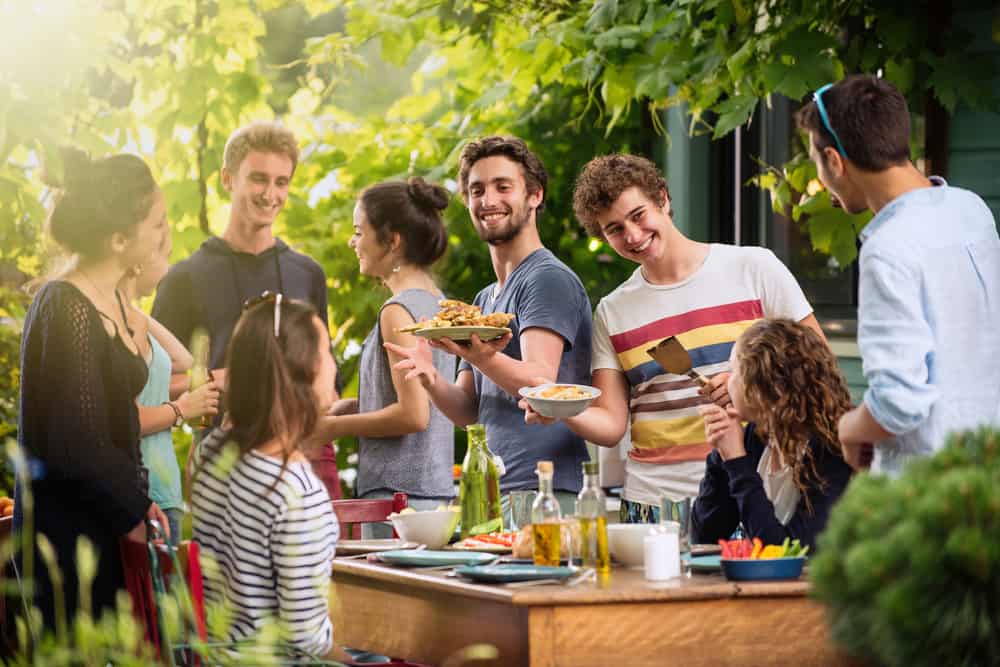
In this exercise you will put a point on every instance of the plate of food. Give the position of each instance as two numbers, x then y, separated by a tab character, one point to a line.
462	333
558	400
459	320
494	543
356	547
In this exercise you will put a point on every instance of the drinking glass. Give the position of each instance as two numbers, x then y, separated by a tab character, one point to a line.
679	511
520	508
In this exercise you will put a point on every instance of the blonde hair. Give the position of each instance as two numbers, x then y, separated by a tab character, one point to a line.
263	137
794	389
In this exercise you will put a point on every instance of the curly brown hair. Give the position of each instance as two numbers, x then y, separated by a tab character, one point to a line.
794	389
535	177
605	178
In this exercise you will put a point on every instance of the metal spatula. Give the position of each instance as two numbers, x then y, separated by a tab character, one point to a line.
672	356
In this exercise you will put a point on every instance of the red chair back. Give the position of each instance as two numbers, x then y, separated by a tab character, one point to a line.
139	583
353	513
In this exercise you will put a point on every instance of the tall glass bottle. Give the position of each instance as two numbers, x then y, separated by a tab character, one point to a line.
479	490
199	373
546	519
590	510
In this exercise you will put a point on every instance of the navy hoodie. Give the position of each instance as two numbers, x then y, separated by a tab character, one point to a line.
208	289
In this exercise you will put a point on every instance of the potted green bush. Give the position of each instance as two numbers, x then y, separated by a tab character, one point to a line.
909	568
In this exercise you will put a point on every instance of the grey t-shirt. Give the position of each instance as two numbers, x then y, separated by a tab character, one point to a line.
417	463
541	292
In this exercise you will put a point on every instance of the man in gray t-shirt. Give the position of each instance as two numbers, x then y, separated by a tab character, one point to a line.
503	184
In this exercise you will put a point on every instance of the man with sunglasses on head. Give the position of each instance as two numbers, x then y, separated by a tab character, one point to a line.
929	306
209	289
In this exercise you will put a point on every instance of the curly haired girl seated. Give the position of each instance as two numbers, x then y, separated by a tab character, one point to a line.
782	473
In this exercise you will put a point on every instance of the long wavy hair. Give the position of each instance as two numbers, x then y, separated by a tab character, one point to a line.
269	387
795	392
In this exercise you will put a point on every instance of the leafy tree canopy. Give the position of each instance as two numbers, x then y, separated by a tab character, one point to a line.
379	89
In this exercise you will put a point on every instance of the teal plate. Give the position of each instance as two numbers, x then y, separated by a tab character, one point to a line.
704	564
506	574
426	558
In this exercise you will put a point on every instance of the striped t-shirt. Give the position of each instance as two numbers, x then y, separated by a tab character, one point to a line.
734	287
268	543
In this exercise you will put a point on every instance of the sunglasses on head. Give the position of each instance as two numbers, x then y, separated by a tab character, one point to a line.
266	297
823	116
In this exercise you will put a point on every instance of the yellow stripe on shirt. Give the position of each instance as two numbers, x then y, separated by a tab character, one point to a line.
700	337
658	433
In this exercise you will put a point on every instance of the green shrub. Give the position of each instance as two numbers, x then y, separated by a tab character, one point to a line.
910	567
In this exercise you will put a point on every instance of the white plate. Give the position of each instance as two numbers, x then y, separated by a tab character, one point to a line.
462	333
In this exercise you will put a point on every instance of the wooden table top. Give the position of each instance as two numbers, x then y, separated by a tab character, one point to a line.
623	585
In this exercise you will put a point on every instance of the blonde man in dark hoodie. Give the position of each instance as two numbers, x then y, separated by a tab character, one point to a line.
209	288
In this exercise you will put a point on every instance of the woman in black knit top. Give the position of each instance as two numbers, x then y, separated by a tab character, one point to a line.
80	375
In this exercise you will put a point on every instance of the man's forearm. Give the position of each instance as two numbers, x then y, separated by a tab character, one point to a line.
453	402
511	374
858	425
598	425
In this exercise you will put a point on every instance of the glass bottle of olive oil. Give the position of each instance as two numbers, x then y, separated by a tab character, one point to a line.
479	489
546	519
590	510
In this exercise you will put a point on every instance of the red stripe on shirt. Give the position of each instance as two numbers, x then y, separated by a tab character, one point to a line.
693	319
673	454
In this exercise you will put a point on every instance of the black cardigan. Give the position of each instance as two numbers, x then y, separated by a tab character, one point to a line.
732	491
79	424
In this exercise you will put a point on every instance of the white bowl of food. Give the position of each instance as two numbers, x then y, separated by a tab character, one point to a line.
433	528
625	542
558	400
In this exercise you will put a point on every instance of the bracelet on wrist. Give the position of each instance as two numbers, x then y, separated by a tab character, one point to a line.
178	415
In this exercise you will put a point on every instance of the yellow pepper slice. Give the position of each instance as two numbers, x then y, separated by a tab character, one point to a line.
772	551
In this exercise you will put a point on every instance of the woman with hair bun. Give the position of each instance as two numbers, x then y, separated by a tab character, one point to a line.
80	375
404	442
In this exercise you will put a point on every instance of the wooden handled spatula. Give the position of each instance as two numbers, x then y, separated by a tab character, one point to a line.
670	354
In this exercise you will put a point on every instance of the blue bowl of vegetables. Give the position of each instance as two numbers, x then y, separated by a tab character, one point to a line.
763	569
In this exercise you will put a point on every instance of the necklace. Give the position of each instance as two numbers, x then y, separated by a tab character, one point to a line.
117	298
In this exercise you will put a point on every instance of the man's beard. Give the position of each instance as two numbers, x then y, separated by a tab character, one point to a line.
518	219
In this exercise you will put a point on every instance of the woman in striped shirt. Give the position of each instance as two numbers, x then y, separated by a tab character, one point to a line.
263	519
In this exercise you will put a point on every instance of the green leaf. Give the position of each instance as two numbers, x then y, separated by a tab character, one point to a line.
737	62
832	232
900	74
733	112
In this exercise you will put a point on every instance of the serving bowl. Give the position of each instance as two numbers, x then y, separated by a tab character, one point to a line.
758	569
559	408
433	528
625	542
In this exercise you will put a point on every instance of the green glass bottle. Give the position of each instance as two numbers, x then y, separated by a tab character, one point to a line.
591	511
479	490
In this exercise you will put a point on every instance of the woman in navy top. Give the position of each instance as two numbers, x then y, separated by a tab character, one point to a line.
781	474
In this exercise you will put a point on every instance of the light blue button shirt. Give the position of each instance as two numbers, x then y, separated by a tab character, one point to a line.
929	320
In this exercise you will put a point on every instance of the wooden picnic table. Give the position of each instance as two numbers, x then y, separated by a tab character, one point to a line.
625	620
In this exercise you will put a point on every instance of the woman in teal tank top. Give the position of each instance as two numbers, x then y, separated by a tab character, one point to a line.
165	356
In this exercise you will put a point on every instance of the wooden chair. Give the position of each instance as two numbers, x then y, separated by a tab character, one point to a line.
353	513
